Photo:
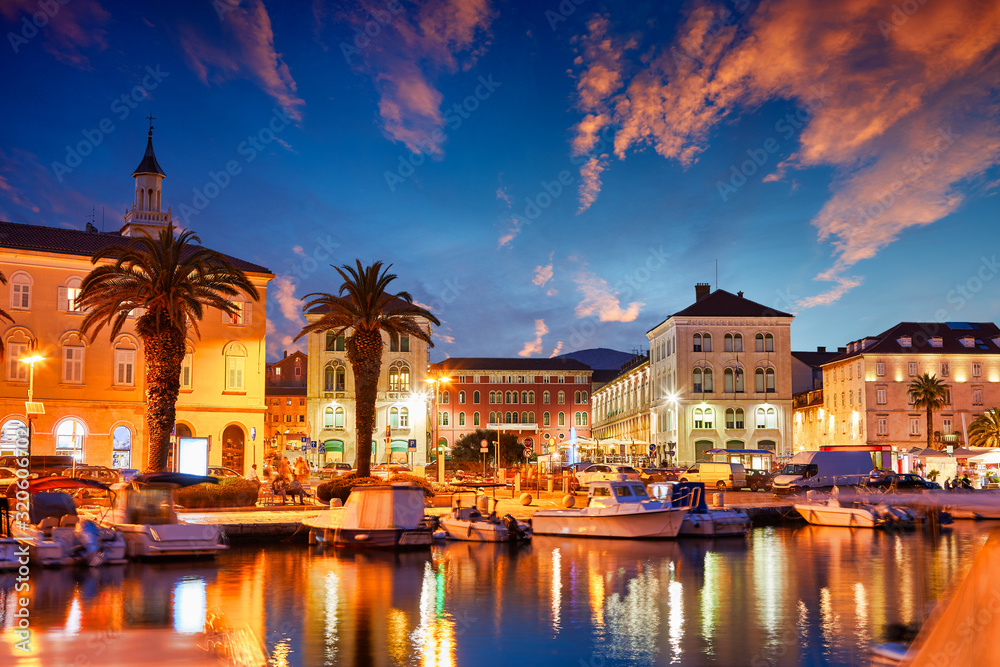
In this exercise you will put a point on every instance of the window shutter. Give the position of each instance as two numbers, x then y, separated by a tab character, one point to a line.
247	313
63	300
226	318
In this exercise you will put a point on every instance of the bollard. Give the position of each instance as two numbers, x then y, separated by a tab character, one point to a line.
517	483
525	499
551	483
720	499
569	500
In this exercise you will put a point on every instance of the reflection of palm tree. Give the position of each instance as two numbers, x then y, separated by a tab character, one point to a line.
927	391
365	307
984	431
3	313
171	281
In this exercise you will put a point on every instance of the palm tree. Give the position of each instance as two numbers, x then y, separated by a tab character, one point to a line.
3	314
365	307
927	391
171	280
984	431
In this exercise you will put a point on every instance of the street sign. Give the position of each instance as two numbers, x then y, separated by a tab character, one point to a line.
484	446
527	452
314	444
253	433
305	447
305	438
411	445
652	450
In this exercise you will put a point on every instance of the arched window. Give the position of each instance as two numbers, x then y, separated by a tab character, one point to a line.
17	345
73	358
524	397
236	359
328	378
475	419
328	418
524	418
461	398
461	419
404	418
546	397
121	447
740	418
733	343
730	416
187	368
445	398
394	417
338	418
697	343
696	385
759	379
68	295
764	342
699	418
769	380
562	419
562	398
761	418
706	342
475	397
443	418
70	436
586	398
772	418
20	290
13	436
707	381
531	397
581	418
709	417
399	377
546	419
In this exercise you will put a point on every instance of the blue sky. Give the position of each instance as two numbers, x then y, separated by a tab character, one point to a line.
545	176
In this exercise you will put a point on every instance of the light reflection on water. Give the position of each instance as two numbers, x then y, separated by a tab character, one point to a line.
785	596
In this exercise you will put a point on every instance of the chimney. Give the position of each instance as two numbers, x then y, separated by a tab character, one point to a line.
739	294
821	349
284	354
701	290
841	349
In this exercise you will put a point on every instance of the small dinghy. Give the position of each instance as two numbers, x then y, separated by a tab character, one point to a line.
468	523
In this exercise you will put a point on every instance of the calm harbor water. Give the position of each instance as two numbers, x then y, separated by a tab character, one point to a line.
784	596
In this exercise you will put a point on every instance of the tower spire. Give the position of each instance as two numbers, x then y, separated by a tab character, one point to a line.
146	212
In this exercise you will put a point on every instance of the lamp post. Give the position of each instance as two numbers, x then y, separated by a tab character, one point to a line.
435	384
32	408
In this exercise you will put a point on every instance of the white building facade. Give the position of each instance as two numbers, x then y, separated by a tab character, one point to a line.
721	377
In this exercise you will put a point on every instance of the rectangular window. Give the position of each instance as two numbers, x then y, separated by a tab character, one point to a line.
302	419
880	396
914	426
66	299
946	426
20	296
288	418
883	426
17	371
880	368
73	365
912	368
186	366
977	370
234	373
977	395
240	314
944	369
125	368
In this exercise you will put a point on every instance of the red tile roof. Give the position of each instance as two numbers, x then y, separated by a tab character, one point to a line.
509	364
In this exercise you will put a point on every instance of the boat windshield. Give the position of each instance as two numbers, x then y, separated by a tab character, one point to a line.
623	492
149	506
794	469
639	491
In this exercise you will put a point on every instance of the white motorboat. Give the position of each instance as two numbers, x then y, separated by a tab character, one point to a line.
702	520
468	523
375	517
615	508
9	555
143	511
854	515
56	535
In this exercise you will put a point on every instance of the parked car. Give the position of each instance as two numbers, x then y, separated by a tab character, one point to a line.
905	482
128	474
600	471
101	474
222	472
758	479
577	467
649	475
335	469
719	475
7	477
383	471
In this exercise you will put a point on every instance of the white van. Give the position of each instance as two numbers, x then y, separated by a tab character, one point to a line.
720	475
813	470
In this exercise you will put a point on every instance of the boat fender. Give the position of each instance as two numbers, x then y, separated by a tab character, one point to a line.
361	538
469	534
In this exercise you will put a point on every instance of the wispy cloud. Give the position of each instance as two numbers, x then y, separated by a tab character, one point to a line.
246	52
543	274
557	350
903	113
601	300
282	290
69	28
535	346
410	50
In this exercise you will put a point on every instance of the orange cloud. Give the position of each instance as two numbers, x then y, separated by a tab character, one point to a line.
543	274
535	346
404	50
898	104
601	300
557	350
282	291
249	53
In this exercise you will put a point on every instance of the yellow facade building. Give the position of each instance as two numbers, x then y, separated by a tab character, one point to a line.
92	387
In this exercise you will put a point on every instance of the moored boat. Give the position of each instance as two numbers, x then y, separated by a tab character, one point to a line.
705	521
144	512
468	523
56	535
615	508
375	517
854	515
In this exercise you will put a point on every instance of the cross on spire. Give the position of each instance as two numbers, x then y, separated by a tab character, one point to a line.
150	117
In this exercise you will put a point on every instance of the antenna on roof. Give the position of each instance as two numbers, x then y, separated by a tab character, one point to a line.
716	274
90	223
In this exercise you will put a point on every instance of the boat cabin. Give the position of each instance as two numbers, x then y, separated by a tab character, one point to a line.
149	505
384	507
606	493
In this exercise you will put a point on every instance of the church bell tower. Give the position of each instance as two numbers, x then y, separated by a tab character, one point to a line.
146	212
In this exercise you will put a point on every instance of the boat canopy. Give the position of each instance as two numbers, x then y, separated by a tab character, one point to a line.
50	504
54	483
175	479
384	508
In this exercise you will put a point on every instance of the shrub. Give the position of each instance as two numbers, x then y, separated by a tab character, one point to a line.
229	492
422	482
340	487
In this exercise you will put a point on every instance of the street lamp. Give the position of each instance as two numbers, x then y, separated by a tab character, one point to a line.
435	384
32	408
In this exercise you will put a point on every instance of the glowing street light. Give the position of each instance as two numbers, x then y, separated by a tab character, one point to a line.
436	385
30	407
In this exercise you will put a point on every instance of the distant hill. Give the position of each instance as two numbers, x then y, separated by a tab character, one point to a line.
600	358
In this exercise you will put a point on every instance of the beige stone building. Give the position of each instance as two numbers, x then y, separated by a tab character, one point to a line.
721	377
864	402
621	410
401	411
93	388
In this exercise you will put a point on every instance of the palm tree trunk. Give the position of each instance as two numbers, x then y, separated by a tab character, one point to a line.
930	425
364	351
164	354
